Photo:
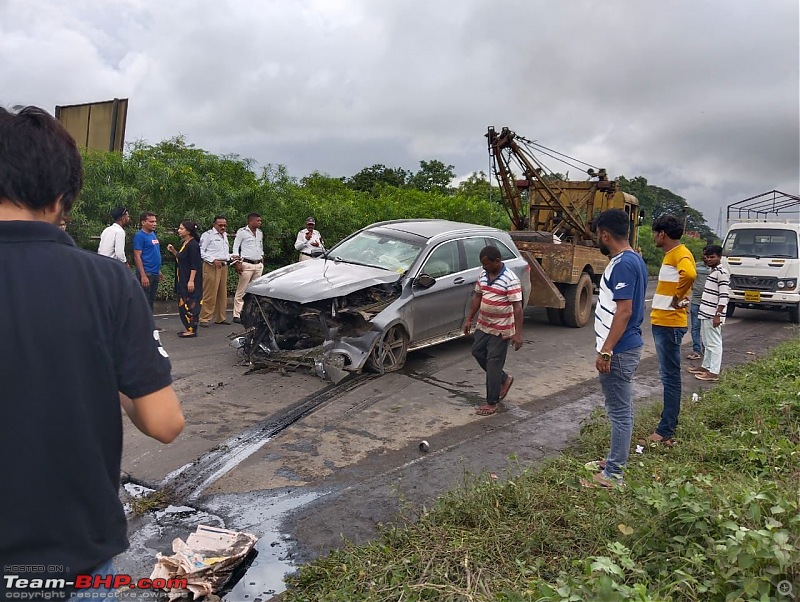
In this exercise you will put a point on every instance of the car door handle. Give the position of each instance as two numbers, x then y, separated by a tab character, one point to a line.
459	280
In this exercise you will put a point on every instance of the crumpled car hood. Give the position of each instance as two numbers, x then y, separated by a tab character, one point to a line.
317	279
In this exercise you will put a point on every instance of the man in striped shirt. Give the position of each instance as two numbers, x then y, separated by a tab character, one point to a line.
668	318
713	305
498	303
618	331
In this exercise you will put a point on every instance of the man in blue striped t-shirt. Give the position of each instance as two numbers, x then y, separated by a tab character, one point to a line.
618	329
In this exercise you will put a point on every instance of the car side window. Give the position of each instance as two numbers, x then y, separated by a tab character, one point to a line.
472	249
505	253
443	261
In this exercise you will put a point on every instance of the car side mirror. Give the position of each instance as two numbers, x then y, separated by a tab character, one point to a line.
424	281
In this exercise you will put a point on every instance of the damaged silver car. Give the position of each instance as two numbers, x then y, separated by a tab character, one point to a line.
388	289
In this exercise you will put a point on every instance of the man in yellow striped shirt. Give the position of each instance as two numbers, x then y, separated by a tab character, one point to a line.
669	318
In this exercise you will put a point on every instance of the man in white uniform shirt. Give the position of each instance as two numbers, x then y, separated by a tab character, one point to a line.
215	253
112	240
248	247
309	240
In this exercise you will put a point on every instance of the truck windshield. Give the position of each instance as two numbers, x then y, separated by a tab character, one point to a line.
761	242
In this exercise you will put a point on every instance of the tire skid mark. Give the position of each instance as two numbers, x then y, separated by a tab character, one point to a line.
191	480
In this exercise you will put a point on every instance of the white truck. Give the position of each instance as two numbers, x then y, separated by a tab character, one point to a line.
761	253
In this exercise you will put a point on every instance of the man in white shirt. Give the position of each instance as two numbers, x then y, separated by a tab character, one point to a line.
215	253
248	249
112	240
309	240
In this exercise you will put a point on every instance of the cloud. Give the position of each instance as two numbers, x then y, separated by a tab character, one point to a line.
699	97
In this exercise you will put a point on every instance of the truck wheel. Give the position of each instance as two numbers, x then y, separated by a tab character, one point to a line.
555	316
794	314
730	310
578	306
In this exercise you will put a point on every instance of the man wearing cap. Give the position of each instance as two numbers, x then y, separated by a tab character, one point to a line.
309	240
112	240
248	247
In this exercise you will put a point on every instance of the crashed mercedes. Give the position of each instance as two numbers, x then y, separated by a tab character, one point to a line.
390	288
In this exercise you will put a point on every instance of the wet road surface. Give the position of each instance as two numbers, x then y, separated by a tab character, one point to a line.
263	452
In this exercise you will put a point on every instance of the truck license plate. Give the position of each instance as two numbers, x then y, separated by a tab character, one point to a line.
752	296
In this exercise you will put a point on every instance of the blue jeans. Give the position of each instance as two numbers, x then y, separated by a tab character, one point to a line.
101	593
618	390
697	341
668	347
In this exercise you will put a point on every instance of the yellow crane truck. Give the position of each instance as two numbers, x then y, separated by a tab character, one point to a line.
551	224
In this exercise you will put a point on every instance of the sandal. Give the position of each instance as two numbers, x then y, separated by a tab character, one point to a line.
656	438
600	481
707	376
486	410
187	335
694	356
696	370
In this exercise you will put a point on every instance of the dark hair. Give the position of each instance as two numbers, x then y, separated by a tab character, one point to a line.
145	215
39	160
669	225
613	221
712	250
216	217
252	216
490	252
191	228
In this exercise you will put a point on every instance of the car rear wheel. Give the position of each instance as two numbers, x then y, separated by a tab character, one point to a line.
389	354
794	314
578	302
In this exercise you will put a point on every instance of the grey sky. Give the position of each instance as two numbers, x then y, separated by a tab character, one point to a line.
701	97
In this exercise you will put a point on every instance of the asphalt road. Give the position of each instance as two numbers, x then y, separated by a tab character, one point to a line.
350	463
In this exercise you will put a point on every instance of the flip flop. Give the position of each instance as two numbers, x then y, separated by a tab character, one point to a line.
505	387
696	370
187	335
486	410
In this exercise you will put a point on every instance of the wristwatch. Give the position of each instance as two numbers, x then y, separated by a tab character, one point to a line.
606	355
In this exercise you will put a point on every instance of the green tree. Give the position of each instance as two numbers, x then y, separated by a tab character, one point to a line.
433	176
369	178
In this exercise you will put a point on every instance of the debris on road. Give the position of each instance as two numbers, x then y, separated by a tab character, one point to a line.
206	560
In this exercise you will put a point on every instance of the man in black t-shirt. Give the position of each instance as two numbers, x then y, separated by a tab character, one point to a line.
77	340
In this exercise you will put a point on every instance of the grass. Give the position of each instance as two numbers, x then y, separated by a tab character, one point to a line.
157	500
714	518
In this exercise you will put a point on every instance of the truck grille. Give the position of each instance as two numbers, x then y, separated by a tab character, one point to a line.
754	283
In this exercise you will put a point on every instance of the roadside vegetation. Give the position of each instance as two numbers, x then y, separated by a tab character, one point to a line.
714	518
178	181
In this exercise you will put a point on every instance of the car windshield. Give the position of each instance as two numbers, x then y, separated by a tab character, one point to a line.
761	242
378	249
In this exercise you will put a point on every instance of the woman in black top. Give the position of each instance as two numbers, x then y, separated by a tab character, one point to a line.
188	277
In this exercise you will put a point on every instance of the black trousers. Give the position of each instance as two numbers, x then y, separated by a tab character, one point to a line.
151	291
490	351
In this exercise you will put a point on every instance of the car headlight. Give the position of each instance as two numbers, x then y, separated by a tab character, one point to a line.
781	284
789	283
